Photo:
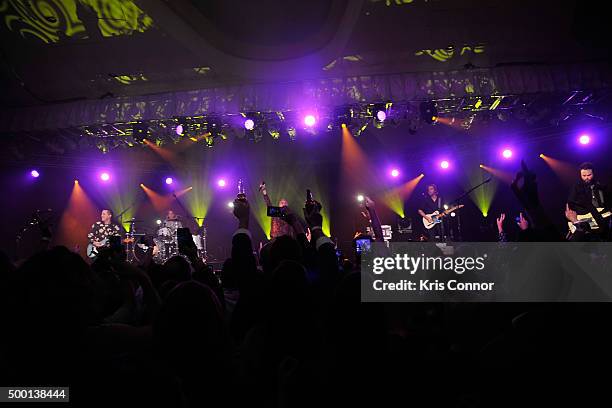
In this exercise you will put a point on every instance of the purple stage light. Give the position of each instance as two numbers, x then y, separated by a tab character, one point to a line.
584	139
394	173
381	115
249	124
444	164
310	120
507	153
221	183
179	130
104	176
35	173
169	180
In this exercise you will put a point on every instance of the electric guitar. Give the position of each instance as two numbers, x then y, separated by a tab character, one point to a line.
92	251
436	216
588	218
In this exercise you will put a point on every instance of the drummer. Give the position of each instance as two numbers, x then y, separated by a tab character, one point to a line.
173	221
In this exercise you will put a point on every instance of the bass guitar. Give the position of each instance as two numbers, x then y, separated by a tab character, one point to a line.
589	219
92	251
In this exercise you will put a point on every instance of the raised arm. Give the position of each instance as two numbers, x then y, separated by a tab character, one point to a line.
243	259
370	206
326	258
264	193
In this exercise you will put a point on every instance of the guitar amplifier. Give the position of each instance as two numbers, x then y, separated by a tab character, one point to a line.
404	225
404	231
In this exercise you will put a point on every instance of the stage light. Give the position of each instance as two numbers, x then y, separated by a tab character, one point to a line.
394	173
481	166
445	206
104	176
344	126
453	214
158	222
542	155
507	153
76	181
249	124
230	204
381	113
179	130
169	180
584	139
360	198
35	173
310	120
429	112
221	183
444	164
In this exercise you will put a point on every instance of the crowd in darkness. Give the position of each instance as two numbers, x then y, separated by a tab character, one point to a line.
280	327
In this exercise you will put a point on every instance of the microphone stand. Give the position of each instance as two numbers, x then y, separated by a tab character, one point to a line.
120	216
460	198
185	210
200	230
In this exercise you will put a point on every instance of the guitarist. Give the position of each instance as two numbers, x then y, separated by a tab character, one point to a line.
431	203
102	230
587	195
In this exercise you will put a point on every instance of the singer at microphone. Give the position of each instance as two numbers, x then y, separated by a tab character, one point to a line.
432	202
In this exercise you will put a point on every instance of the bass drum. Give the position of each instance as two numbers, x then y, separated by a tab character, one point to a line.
165	234
162	251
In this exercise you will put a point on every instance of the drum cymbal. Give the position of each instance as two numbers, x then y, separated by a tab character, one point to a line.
133	221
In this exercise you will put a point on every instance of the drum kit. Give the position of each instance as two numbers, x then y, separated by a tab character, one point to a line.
164	242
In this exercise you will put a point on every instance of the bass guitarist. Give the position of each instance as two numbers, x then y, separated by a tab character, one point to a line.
100	233
589	196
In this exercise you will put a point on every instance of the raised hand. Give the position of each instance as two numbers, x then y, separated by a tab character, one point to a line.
312	214
500	222
523	223
241	212
570	214
368	202
525	187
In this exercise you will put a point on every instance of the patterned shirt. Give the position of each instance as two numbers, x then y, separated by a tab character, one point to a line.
280	227
100	231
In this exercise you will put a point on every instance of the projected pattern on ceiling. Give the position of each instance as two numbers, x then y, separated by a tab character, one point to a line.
52	21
